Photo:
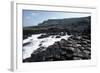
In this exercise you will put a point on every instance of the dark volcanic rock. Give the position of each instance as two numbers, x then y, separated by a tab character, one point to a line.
75	48
62	34
43	36
58	36
27	43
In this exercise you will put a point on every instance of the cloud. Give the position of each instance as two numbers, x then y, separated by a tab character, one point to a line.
27	17
53	17
33	14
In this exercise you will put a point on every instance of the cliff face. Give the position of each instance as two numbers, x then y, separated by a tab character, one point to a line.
72	25
67	21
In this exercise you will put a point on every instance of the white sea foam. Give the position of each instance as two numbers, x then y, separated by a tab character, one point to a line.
45	42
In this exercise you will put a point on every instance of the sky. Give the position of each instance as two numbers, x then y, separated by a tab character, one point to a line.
34	17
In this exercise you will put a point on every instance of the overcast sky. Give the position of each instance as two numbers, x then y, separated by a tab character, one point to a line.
34	17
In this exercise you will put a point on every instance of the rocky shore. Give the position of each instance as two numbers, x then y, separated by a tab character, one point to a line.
77	47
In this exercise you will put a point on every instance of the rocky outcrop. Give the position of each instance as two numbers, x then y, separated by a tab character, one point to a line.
75	48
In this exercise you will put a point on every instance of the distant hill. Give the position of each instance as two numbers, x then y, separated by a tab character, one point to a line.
66	21
70	25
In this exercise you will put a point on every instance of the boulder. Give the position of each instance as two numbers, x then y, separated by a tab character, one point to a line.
43	36
77	58
58	36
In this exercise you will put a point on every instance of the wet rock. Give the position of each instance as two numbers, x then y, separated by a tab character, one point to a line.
74	45
88	41
76	58
88	45
84	43
58	36
40	49
43	36
40	44
88	48
27	60
81	48
71	48
75	48
78	45
70	39
52	36
79	42
62	34
78	37
62	43
69	53
27	43
69	45
85	37
87	51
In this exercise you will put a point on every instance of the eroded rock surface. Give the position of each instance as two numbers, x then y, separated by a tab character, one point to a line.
75	48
